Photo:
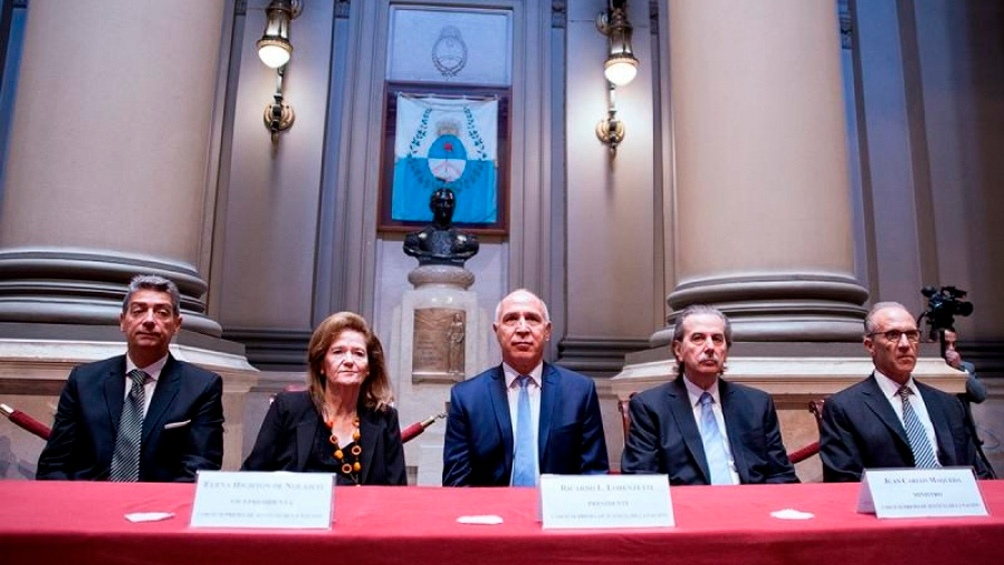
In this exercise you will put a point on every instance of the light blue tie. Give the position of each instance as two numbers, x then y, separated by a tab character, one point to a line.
714	444
923	454
524	471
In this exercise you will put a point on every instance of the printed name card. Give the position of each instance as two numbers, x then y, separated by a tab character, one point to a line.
605	501
262	500
920	493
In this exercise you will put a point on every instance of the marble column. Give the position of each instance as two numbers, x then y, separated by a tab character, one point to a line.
108	168
762	225
109	174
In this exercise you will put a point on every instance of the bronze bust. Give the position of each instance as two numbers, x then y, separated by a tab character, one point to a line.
440	243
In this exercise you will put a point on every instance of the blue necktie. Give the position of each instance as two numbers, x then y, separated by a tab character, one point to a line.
923	454
524	471
714	444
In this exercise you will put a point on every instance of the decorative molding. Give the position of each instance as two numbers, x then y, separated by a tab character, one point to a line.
559	14
801	286
41	285
653	17
987	356
784	307
597	357
272	349
240	7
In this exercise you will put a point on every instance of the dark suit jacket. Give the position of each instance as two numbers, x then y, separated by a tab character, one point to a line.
664	437
860	430
479	443
291	424
182	430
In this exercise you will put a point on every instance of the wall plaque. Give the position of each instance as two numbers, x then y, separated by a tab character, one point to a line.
440	337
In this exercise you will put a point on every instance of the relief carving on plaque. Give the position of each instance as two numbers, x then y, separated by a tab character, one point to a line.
440	335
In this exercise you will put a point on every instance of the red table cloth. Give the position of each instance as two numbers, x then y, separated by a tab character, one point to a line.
82	523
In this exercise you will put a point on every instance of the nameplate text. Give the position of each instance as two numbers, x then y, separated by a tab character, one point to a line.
262	500
920	493
605	501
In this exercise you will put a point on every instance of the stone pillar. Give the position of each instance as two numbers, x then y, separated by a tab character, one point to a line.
108	175
109	153
763	223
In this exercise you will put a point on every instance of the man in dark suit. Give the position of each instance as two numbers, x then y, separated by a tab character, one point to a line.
142	416
701	429
889	419
513	422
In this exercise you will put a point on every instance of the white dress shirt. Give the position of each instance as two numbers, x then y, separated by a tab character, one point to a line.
153	370
890	388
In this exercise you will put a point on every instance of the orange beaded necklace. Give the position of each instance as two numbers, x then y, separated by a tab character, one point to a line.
349	469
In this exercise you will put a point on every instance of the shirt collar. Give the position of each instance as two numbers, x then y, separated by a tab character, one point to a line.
890	387
695	392
511	374
153	369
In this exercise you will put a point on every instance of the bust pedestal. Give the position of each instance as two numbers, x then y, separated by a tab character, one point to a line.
439	339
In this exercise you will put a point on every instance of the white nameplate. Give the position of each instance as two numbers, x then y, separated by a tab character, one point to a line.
262	500
605	501
920	493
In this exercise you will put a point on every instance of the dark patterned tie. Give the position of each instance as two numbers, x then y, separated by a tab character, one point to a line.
125	461
923	453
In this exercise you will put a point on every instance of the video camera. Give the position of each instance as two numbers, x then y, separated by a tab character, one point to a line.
942	307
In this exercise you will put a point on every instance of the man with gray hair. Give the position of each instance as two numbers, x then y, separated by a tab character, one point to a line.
890	419
525	417
142	416
701	429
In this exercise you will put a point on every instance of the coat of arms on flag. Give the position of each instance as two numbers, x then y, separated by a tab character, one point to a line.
446	142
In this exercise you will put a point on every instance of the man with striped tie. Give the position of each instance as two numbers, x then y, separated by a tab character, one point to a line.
142	416
890	419
701	429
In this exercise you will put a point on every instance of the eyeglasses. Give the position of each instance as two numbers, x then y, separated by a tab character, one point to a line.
913	336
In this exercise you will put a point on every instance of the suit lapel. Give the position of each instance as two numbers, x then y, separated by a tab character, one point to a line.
114	391
683	414
549	397
500	407
306	431
369	431
879	405
164	393
942	432
732	409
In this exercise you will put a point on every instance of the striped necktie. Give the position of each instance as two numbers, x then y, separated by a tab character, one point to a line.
125	461
923	453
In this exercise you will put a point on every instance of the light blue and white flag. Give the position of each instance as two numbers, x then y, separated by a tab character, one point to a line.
445	143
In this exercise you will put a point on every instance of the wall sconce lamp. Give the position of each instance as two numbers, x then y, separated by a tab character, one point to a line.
275	50
611	130
619	69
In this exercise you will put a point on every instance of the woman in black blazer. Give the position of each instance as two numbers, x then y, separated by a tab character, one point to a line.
343	423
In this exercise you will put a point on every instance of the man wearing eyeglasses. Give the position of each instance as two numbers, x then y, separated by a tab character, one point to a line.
890	419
